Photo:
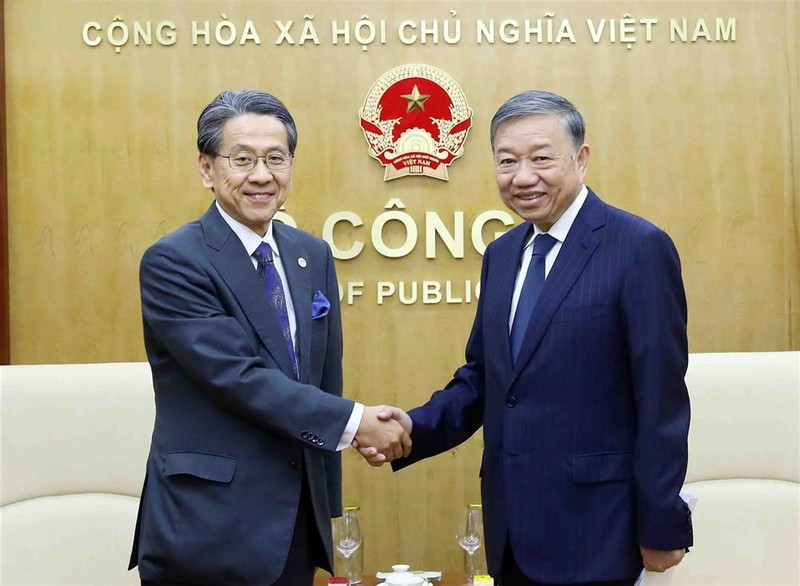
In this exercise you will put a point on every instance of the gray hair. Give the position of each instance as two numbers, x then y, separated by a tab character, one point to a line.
230	104
542	102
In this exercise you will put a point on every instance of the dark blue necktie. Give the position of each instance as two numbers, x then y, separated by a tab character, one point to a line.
273	289
531	288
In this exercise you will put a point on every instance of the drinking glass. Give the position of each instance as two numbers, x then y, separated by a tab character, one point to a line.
469	537
348	540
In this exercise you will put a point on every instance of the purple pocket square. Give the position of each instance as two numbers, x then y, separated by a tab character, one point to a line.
320	306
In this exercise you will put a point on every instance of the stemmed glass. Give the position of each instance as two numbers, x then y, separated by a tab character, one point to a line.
347	539
469	538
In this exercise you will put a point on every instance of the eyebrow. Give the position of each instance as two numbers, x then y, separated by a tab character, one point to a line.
535	148
248	148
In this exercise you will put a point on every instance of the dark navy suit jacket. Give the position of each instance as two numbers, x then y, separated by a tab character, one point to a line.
233	427
585	436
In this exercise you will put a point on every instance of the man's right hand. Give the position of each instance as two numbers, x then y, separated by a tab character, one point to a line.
382	436
386	414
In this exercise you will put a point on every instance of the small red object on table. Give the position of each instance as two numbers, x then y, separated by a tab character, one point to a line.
334	581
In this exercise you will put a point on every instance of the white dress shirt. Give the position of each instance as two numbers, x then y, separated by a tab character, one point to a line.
559	231
251	241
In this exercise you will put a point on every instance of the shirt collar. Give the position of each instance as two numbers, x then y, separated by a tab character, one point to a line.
250	240
560	228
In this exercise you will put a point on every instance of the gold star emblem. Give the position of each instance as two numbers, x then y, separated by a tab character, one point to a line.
415	100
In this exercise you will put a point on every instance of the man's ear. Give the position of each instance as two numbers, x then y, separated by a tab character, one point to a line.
206	166
583	158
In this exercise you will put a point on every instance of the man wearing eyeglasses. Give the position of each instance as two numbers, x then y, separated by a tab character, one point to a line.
243	333
575	370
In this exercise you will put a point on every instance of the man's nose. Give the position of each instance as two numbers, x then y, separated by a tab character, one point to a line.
526	174
260	173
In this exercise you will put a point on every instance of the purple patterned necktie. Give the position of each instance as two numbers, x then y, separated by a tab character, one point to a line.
273	289
534	281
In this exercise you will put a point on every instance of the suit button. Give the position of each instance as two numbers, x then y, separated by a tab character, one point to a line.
511	401
294	465
321	442
304	435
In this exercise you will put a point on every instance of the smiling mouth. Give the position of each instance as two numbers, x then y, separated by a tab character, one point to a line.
530	196
259	196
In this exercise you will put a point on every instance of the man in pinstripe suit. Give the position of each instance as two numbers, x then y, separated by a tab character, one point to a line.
585	413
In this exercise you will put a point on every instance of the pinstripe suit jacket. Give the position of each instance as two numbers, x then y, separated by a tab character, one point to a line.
585	437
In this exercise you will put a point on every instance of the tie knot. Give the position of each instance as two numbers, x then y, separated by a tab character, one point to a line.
263	253
542	244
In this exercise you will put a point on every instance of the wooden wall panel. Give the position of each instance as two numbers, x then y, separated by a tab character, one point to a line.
700	137
5	330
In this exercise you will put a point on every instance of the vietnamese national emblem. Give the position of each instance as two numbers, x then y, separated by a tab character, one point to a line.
415	119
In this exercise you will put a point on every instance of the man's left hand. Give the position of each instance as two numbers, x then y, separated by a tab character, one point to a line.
659	560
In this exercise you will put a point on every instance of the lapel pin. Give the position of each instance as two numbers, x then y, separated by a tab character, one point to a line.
302	262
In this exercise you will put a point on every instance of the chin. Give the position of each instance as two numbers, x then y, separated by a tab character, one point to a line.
532	218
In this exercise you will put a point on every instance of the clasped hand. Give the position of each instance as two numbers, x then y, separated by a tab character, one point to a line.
383	435
656	560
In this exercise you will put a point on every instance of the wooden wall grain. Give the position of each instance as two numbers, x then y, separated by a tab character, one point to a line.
5	330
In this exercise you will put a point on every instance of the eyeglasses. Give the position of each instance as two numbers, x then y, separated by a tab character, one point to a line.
246	162
507	165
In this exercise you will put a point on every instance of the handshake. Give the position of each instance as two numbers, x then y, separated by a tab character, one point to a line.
383	435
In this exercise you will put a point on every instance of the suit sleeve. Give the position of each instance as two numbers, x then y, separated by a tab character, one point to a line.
452	415
332	381
186	321
654	317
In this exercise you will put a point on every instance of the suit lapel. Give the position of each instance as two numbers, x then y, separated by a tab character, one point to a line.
231	261
579	246
502	278
296	265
